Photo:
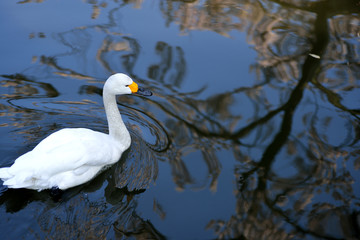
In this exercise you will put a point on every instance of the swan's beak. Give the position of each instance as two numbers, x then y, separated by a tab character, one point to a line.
141	91
133	87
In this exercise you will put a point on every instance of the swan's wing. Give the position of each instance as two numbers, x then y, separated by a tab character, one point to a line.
65	159
66	136
66	150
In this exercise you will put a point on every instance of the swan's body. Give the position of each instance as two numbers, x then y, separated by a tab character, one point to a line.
73	156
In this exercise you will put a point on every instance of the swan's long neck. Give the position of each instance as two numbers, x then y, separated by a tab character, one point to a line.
117	128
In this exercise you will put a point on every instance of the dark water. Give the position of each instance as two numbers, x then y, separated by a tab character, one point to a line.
252	132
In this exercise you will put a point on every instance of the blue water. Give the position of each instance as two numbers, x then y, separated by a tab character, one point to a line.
247	136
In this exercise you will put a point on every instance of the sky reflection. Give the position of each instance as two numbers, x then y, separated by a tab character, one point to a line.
252	132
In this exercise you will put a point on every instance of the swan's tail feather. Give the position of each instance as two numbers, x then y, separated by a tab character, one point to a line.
15	183
18	181
4	174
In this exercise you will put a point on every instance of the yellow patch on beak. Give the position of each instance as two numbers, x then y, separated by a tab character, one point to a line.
133	87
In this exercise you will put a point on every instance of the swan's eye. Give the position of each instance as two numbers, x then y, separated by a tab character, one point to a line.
127	85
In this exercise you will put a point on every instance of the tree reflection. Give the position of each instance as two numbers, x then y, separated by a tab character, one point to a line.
162	71
77	216
261	193
308	56
290	46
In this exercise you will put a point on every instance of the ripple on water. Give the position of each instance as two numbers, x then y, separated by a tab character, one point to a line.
149	139
143	126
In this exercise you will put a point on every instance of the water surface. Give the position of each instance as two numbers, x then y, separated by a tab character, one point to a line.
252	131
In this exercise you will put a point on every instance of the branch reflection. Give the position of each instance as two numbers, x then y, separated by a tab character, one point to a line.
286	157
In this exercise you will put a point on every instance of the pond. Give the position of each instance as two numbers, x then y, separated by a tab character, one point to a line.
252	131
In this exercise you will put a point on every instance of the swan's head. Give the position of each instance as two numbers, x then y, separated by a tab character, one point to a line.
119	84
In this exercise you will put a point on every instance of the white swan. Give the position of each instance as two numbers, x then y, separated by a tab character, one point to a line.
73	156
